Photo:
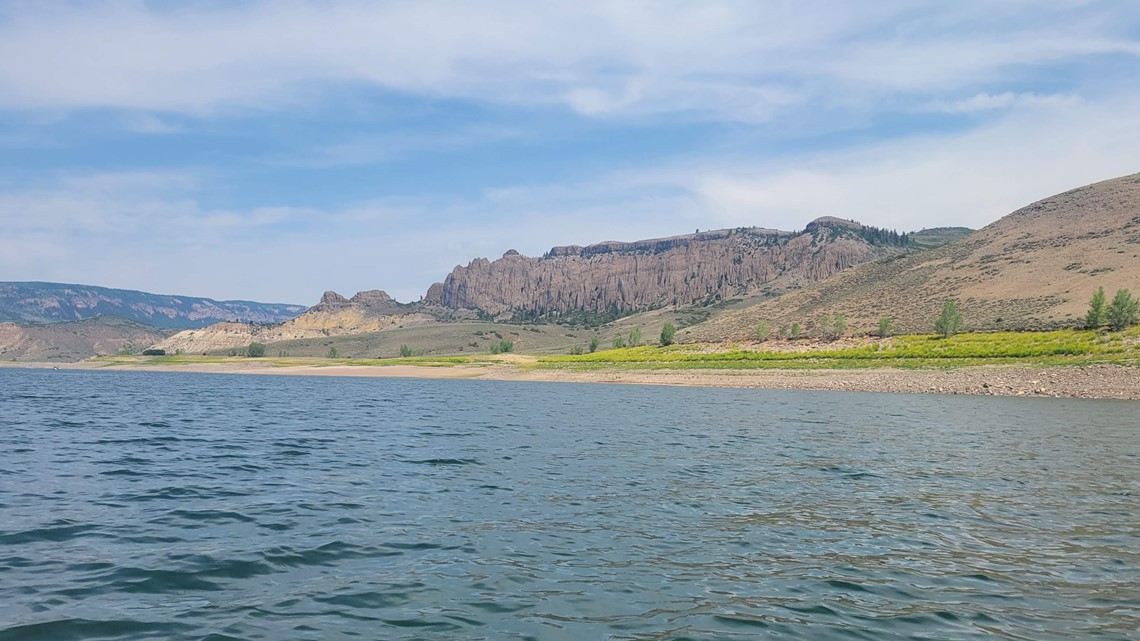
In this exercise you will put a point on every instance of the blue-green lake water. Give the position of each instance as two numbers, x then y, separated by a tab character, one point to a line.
140	505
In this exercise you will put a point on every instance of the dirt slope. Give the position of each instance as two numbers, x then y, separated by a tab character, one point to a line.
67	342
1035	268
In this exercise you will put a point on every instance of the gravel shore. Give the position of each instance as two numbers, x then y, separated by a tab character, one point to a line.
1097	381
1094	381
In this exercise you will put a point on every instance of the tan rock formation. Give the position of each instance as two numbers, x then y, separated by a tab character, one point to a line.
682	270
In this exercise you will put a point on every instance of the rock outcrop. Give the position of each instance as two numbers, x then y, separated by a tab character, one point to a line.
618	277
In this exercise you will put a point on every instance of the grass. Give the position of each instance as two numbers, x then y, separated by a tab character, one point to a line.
1062	347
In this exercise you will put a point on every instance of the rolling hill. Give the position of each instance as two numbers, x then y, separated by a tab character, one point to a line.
1035	268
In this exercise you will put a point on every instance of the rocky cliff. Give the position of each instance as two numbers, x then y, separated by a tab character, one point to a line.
617	278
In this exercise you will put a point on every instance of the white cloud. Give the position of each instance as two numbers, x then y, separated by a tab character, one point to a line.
735	59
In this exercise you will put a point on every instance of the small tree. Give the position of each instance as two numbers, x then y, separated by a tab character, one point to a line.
1097	313
635	337
255	350
619	342
950	320
1123	310
762	331
594	343
832	327
667	334
406	351
332	353
794	332
885	326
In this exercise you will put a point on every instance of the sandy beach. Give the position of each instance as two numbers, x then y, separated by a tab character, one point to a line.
1095	381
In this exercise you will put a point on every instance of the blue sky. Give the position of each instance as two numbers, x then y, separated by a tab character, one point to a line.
273	150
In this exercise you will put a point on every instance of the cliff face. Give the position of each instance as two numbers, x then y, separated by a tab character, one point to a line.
625	277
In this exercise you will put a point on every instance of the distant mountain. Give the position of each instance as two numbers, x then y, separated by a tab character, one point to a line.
75	341
1036	268
33	302
615	278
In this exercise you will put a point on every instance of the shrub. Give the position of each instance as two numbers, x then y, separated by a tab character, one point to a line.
1097	313
154	352
668	332
635	337
950	320
332	353
594	343
762	331
832	327
794	332
255	350
576	350
1123	310
885	326
406	351
619	342
502	347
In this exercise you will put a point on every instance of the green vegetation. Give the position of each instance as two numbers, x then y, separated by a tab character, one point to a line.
1097	314
502	347
332	353
408	352
594	343
668	333
1123	310
619	342
635	337
832	327
950	321
885	326
762	331
1061	347
154	352
255	350
794	332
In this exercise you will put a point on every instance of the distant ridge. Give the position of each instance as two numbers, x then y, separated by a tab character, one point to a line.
40	302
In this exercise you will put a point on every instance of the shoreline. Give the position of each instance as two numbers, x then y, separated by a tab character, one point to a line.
1078	381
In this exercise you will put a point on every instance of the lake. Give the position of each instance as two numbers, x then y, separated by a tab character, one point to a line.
147	505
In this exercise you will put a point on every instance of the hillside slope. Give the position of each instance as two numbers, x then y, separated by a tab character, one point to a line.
1035	268
615	278
65	342
35	302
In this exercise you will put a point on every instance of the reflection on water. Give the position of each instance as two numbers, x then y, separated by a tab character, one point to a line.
181	506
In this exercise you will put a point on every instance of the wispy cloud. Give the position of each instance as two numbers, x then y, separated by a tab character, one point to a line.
732	59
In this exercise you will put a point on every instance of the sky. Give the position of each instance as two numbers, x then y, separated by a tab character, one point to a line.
272	150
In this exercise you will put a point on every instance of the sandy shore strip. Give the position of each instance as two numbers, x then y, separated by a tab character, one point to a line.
1094	381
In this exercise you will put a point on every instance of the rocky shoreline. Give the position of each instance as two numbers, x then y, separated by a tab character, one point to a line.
1091	382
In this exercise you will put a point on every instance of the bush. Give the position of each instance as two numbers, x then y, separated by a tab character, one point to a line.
406	351
832	327
950	320
635	337
762	331
154	352
668	332
1123	310
576	350
1097	314
255	350
502	347
594	343
885	326
794	332
619	342
332	353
